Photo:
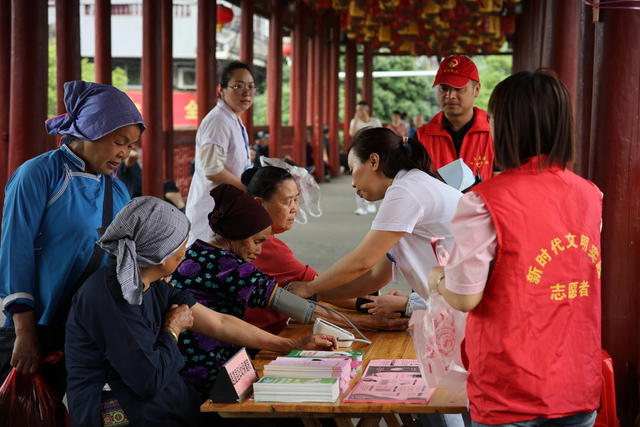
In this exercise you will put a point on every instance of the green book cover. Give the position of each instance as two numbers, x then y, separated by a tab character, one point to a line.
354	355
272	380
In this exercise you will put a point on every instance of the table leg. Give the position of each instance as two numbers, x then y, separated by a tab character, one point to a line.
369	422
391	420
311	422
407	420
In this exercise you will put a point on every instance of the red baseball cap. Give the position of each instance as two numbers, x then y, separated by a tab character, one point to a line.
456	71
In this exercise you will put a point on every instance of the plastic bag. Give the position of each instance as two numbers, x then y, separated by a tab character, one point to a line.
309	202
437	334
26	400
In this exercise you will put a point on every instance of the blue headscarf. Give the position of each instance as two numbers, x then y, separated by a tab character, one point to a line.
93	111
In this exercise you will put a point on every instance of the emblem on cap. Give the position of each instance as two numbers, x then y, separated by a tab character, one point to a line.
453	63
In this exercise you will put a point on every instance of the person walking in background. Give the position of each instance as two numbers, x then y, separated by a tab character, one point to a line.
361	120
418	121
222	146
396	125
460	130
526	266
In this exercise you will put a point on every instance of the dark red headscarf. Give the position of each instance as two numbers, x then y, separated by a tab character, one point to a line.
236	214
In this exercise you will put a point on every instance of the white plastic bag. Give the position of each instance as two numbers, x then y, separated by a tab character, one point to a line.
309	202
437	333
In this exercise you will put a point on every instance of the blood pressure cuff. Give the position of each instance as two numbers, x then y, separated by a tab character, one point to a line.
292	305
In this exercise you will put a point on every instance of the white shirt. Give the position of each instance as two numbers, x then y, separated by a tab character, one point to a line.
422	207
224	129
357	124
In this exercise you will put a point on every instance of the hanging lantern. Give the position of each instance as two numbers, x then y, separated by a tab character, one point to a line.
384	34
224	15
355	10
287	49
508	24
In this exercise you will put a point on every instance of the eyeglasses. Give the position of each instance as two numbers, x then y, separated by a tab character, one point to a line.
241	88
445	89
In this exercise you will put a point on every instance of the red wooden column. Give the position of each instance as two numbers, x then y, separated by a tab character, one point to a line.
274	80
310	75
566	29
166	24
326	69
206	57
334	66
350	85
318	95
28	84
67	46
617	173
299	84
367	76
246	53
102	57
151	99
5	73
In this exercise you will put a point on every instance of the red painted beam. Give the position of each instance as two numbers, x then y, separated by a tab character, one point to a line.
246	53
350	85
166	32
102	57
28	85
616	103
151	99
318	95
334	66
67	46
367	76
274	80
299	85
5	73
310	78
205	57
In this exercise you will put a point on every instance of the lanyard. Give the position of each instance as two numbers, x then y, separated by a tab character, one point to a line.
246	144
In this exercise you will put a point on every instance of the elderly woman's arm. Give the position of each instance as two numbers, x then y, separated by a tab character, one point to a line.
232	330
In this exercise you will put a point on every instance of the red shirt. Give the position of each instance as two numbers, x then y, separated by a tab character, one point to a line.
476	150
279	261
533	341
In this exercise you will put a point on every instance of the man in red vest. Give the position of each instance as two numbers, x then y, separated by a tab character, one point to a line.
460	130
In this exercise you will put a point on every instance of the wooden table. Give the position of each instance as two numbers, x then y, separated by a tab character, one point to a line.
386	345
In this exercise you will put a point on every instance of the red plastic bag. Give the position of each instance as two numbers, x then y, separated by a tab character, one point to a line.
26	400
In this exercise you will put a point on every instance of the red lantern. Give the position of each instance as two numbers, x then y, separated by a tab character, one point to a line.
224	15
286	49
508	24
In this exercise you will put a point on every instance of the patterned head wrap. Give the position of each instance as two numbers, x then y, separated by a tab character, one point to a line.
236	214
146	232
93	111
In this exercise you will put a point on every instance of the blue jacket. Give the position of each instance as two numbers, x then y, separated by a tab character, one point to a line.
52	210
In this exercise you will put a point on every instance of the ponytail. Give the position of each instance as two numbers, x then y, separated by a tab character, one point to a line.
396	153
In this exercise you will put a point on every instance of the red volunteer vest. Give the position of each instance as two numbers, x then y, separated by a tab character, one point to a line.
476	150
278	260
533	342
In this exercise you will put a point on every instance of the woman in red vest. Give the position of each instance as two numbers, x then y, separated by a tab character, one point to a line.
526	266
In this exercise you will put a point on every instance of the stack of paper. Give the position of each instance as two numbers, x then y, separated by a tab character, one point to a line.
269	389
319	354
303	367
391	381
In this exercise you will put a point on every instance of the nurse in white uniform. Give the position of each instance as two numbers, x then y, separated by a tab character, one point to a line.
222	147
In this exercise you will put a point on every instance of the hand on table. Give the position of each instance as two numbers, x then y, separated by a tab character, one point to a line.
315	342
388	305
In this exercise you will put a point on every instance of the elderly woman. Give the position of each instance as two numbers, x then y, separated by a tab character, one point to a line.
221	276
276	190
125	323
54	205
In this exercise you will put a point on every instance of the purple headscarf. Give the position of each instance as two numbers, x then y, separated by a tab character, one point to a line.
93	111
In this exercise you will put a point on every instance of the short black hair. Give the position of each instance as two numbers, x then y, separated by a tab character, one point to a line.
532	115
230	68
264	181
363	103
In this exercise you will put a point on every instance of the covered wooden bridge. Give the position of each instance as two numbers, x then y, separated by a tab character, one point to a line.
592	45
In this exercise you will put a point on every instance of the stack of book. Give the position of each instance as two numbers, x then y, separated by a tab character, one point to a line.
270	389
303	367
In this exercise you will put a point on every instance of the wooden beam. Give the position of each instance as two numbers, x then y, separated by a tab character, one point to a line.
102	54
274	80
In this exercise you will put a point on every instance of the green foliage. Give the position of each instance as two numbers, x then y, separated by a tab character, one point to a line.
493	69
87	73
412	95
260	102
